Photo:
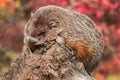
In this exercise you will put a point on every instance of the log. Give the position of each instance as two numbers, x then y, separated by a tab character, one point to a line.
56	63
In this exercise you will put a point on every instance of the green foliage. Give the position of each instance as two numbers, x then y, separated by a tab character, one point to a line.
7	56
113	77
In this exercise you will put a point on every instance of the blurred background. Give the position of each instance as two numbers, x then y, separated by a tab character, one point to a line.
14	14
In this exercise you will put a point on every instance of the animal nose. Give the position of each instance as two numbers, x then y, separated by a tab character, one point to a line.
31	40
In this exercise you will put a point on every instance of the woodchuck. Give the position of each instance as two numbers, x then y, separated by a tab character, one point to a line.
75	30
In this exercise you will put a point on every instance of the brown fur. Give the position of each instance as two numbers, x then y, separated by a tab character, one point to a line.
83	50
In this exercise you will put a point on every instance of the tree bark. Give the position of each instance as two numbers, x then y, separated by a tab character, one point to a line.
56	63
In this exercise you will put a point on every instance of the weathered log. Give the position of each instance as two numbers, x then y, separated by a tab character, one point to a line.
56	63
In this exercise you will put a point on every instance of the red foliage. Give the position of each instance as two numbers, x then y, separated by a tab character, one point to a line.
3	3
99	13
12	36
109	65
81	8
8	4
106	67
106	40
62	3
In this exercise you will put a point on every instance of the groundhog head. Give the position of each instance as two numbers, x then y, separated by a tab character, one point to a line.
44	25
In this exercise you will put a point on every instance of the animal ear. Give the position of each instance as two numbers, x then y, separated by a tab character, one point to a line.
52	24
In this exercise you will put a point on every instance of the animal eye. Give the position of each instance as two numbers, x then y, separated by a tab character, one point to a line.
52	24
41	33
